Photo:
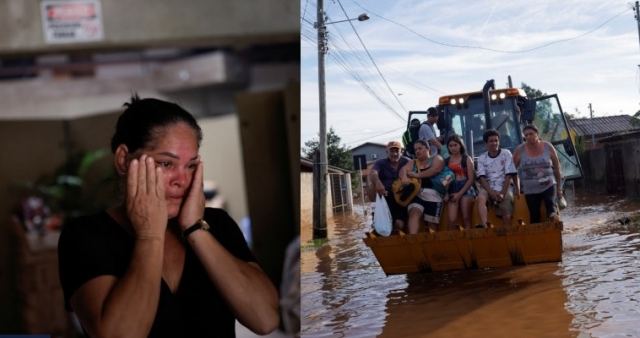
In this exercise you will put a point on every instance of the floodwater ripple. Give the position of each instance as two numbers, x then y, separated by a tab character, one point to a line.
600	277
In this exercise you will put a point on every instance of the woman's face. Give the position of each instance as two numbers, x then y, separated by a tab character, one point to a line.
454	147
422	152
530	135
175	150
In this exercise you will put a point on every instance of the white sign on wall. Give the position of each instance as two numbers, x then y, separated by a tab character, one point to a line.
68	21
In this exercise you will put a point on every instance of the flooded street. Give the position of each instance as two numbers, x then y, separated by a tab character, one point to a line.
593	292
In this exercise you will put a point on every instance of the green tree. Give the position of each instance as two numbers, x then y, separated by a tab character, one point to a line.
338	155
532	93
545	119
636	119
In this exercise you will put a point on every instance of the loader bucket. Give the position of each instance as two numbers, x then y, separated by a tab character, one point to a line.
536	243
447	250
493	247
489	248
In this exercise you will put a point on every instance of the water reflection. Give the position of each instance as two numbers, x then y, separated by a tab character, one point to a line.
594	292
344	293
486	303
600	269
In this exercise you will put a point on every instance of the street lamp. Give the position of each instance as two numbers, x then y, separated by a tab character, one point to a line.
320	164
361	17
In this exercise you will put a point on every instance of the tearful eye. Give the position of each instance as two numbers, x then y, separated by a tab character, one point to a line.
164	164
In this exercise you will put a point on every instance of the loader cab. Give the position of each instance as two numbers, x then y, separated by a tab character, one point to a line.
508	111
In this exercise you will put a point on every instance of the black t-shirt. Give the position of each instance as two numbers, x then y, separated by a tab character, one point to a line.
96	245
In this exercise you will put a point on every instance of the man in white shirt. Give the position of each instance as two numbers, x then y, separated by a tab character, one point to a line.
428	133
496	171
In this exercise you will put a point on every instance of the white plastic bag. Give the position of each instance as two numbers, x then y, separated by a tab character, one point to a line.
382	221
562	202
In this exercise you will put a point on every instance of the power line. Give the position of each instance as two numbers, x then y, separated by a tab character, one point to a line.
305	10
371	58
518	51
341	58
345	56
370	90
357	73
366	66
404	76
410	79
345	66
378	135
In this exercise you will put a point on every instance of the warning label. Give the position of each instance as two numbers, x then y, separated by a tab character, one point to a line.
68	21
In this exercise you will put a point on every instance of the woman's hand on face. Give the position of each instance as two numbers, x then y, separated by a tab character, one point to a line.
193	206
145	198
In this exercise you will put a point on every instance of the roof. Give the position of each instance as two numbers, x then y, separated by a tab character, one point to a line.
369	143
306	165
621	136
604	125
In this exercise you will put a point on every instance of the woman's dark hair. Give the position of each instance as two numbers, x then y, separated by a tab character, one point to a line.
421	141
489	133
532	127
140	121
457	139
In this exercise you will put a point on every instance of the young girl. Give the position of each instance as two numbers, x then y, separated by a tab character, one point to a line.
461	192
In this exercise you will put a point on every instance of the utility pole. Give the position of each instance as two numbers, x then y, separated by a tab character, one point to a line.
320	198
320	217
593	137
637	16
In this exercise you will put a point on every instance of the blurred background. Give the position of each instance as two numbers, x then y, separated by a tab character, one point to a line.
66	68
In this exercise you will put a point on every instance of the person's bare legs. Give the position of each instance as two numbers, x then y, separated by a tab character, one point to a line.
414	220
452	211
467	207
482	206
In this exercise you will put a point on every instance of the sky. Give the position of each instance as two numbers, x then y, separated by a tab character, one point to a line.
585	51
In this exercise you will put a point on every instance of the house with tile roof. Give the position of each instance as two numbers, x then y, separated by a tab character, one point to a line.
592	130
611	152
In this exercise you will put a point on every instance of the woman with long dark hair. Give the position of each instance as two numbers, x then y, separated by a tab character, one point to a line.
461	192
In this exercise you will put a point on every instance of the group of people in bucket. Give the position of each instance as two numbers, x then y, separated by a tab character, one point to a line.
456	182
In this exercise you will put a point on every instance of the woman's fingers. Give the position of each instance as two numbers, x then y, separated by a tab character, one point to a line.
132	178
197	185
160	183
142	174
151	175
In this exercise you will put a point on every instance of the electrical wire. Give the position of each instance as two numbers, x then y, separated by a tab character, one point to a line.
518	51
339	56
305	10
371	58
368	138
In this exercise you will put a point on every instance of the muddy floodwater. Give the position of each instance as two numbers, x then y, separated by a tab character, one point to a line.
593	292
